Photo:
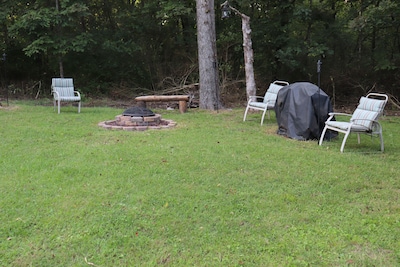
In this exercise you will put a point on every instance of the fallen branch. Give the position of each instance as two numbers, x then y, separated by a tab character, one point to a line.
89	263
394	101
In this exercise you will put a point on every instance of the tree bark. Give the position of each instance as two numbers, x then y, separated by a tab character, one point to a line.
248	57
247	52
60	62
61	67
207	55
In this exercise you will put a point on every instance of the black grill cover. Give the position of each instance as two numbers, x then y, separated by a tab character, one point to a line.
299	107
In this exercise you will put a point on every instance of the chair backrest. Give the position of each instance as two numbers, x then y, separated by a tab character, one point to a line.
64	86
272	92
369	110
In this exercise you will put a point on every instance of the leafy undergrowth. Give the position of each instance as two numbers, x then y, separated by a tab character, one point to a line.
213	191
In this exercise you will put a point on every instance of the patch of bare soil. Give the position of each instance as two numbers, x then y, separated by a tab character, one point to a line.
8	107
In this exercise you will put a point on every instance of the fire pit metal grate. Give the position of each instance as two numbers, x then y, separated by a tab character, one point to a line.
138	112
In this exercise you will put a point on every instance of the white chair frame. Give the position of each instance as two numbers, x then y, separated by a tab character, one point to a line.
368	124
63	90
268	100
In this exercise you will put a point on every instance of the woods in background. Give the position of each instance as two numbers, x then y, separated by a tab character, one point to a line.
118	47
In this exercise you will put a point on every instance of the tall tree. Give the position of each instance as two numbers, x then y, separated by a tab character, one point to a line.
247	49
207	55
142	45
52	29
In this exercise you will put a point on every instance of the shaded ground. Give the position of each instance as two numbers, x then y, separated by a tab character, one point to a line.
231	99
347	106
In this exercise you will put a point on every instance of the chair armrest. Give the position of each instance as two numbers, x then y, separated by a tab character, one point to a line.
254	98
338	113
333	114
55	93
77	94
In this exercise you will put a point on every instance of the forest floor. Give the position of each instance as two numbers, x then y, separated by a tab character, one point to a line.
347	106
229	101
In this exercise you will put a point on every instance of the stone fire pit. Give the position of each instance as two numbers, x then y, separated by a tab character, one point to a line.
137	119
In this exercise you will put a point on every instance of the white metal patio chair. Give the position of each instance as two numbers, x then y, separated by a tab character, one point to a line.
63	90
364	120
268	101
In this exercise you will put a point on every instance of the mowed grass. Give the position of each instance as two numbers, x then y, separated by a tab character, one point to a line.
213	191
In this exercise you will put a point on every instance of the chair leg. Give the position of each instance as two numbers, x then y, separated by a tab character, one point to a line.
358	138
245	113
321	139
381	139
344	140
263	115
79	107
59	106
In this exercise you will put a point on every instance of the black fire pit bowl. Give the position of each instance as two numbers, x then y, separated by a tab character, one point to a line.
138	112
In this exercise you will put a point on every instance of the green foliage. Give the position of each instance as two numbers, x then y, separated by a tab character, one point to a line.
34	21
51	32
39	45
143	43
214	191
170	9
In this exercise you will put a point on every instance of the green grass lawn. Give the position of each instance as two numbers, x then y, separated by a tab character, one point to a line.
213	191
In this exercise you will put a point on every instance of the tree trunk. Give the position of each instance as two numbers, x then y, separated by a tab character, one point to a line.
61	67
248	57
60	62
247	52
207	54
